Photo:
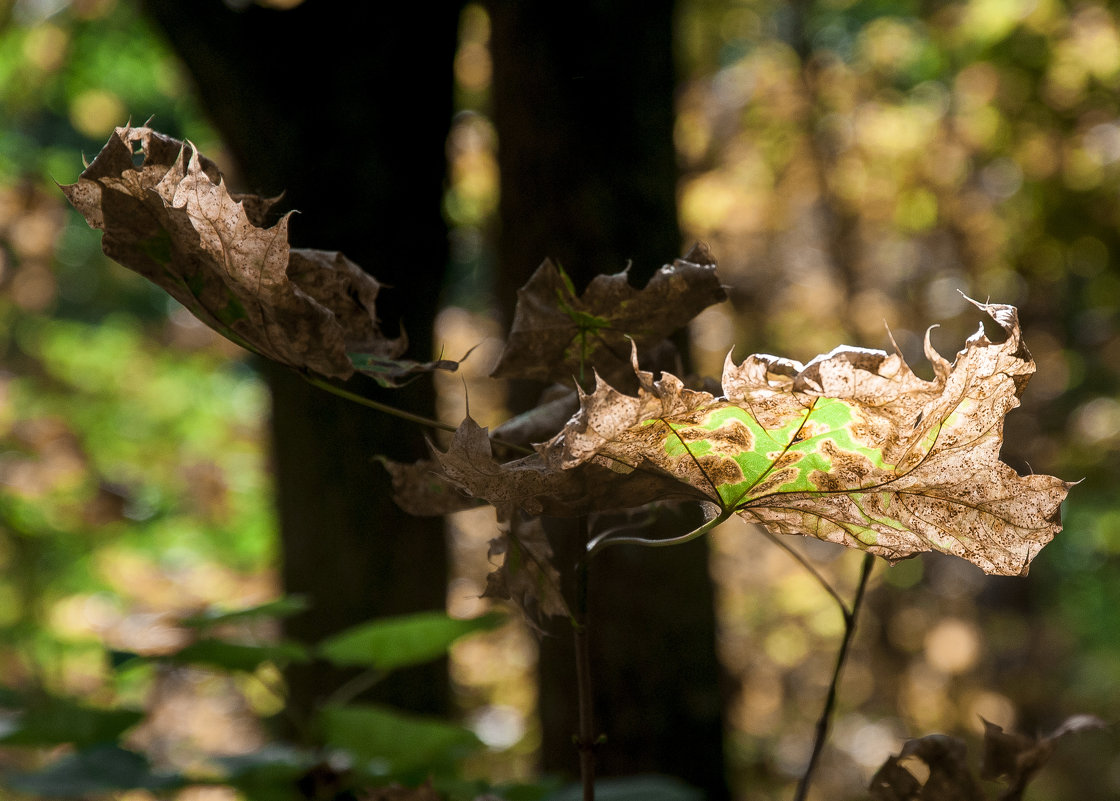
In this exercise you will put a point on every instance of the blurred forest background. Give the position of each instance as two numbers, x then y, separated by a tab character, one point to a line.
851	163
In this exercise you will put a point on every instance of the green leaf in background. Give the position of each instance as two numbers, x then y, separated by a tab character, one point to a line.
394	743
47	721
93	771
281	607
237	656
390	643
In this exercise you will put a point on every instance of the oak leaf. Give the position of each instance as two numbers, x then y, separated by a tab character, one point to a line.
172	219
852	448
557	334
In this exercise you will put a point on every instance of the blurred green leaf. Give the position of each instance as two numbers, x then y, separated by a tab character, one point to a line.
269	774
236	656
282	607
97	770
47	721
394	743
391	643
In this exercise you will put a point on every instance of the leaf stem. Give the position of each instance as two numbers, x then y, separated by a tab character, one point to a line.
354	687
420	420
603	540
841	657
427	422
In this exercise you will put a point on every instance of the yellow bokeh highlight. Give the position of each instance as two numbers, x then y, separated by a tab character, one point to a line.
787	646
96	112
991	20
952	646
45	47
916	210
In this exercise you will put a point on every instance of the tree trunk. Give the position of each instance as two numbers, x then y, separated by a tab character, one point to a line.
347	114
583	98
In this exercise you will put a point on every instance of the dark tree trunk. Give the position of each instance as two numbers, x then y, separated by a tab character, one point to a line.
345	108
583	97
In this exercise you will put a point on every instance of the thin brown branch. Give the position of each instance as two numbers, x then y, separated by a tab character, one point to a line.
825	720
586	740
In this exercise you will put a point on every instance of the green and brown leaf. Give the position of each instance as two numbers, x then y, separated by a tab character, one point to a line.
852	448
172	219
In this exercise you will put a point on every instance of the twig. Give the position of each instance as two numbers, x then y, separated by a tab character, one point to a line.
830	701
805	563
586	741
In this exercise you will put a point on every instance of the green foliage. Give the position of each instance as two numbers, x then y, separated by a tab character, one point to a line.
237	656
383	744
49	721
66	79
391	643
396	745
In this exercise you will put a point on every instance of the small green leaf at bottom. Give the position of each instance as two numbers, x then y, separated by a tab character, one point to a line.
93	771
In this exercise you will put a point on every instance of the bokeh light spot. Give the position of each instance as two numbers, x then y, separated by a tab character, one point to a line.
952	646
96	112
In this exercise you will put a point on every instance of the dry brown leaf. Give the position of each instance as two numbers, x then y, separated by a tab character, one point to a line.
540	488
527	578
1012	758
172	219
557	335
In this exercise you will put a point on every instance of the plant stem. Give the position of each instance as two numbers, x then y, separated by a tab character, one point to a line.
427	422
603	540
830	701
354	687
420	420
586	740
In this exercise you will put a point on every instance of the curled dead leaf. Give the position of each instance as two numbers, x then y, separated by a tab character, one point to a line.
527	577
172	219
1009	757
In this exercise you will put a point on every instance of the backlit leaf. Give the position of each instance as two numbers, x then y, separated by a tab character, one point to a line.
853	448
